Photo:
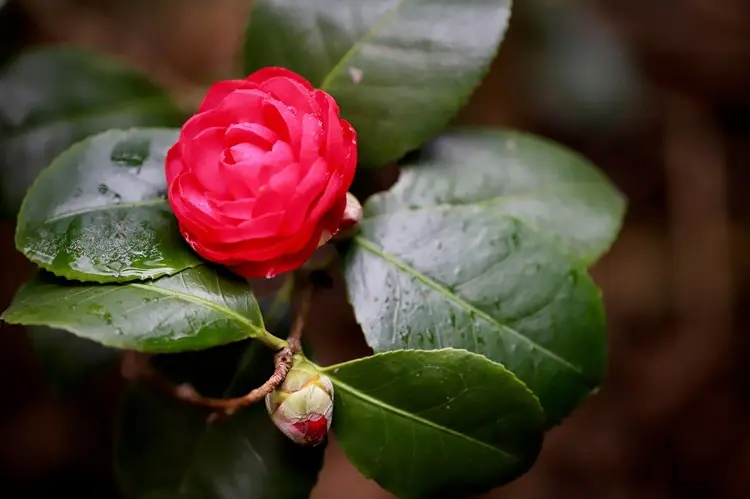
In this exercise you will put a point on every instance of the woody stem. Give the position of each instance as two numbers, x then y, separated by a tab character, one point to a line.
139	367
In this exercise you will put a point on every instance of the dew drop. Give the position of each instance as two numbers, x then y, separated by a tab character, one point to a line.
131	152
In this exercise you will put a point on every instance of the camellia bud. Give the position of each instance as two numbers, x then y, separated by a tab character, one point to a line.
351	217
302	407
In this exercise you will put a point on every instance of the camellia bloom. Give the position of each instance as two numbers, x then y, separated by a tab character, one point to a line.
302	407
258	178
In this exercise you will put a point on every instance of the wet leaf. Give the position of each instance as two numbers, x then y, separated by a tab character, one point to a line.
54	96
195	309
399	69
482	244
99	212
441	423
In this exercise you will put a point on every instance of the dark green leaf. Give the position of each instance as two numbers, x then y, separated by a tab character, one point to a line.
99	212
551	189
399	69
53	97
480	245
67	360
195	309
167	451
434	424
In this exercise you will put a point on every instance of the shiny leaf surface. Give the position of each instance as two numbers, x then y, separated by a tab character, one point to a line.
53	97
481	245
439	423
399	69
195	309
99	212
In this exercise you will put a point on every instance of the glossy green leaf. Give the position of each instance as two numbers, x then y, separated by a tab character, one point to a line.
438	423
480	245
195	309
399	69
99	212
53	97
167	451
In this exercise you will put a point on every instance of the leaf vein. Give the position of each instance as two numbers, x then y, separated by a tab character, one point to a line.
387	408
201	301
373	248
357	46
91	209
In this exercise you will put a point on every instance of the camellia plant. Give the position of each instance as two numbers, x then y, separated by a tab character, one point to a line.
468	276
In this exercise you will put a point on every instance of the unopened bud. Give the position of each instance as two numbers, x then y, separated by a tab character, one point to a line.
352	212
302	406
349	219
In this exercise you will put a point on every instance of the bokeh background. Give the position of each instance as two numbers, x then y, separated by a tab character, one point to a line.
656	92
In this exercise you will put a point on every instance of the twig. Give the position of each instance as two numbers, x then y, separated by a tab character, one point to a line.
295	334
136	366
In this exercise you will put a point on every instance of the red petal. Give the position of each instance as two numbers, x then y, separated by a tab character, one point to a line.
251	133
275	266
173	164
220	90
204	155
267	73
283	121
241	106
291	93
305	193
312	134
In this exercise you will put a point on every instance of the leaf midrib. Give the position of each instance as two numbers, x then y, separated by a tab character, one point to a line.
106	207
357	45
206	303
413	417
471	309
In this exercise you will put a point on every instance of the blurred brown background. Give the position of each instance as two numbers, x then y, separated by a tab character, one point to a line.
655	92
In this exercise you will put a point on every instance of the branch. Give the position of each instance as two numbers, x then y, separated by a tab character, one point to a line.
137	366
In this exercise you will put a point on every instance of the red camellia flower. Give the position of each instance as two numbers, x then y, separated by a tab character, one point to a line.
258	179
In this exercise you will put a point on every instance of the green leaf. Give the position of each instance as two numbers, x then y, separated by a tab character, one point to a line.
198	308
434	423
53	97
167	451
399	69
480	245
510	174
99	212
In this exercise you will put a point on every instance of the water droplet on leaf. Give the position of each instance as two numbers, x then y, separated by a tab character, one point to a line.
131	152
